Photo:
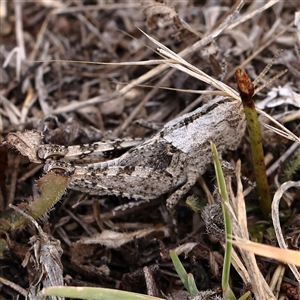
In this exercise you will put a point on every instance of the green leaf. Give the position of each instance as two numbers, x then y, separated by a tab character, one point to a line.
187	279
94	293
227	292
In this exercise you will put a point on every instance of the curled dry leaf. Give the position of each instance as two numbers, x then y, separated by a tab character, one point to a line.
113	239
281	95
154	9
65	133
186	248
27	143
160	15
43	262
276	221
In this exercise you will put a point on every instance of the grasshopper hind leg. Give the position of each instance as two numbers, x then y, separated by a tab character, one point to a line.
179	193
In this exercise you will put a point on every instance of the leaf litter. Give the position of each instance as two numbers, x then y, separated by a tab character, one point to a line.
105	100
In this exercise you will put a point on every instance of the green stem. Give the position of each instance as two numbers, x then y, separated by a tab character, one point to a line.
246	90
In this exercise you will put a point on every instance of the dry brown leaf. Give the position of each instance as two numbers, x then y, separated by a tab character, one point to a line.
160	15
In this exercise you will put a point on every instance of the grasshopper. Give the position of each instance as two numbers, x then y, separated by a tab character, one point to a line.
169	162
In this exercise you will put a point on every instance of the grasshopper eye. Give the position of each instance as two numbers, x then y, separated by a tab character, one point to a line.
51	151
54	165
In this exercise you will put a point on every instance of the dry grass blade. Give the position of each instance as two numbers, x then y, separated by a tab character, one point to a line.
284	255
237	210
283	133
276	220
181	64
252	14
14	286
